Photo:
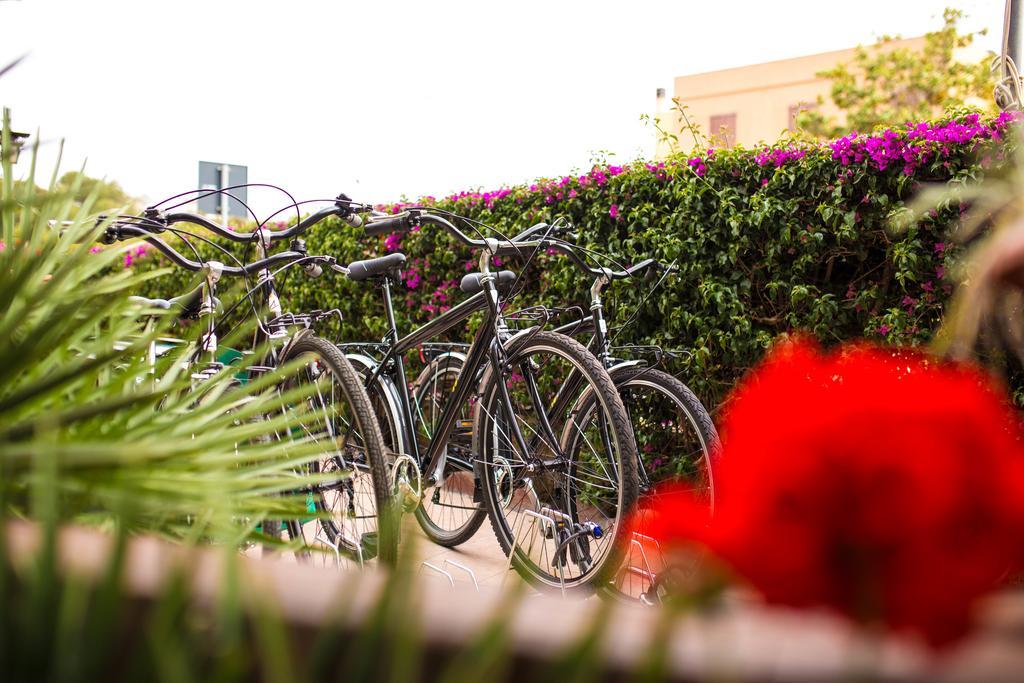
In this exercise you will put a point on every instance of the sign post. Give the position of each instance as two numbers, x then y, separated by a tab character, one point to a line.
214	177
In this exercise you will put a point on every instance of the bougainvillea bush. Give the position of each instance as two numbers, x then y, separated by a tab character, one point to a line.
794	236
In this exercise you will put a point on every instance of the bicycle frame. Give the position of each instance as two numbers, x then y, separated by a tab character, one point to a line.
487	346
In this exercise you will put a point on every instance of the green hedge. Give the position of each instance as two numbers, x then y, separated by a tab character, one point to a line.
790	237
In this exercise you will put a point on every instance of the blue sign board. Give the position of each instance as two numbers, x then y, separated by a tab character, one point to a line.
212	177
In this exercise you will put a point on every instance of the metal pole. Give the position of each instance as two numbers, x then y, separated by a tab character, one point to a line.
225	171
1013	31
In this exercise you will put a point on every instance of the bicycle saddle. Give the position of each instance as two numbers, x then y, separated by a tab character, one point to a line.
471	282
382	265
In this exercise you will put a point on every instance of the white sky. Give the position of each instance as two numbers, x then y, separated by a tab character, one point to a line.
380	99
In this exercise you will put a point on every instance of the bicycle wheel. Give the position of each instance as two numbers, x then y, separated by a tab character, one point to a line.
351	517
558	482
676	438
676	442
450	514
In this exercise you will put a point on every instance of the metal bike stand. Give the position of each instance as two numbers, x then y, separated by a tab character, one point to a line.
359	551
648	572
652	541
333	546
440	571
545	521
396	468
465	569
558	514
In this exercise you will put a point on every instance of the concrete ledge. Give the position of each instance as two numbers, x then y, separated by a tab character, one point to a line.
739	642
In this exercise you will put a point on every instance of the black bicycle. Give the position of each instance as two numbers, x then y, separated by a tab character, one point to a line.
676	439
349	507
550	457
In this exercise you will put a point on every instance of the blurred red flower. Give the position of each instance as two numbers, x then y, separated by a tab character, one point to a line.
880	483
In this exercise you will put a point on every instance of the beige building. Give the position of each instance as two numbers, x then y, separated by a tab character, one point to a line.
751	104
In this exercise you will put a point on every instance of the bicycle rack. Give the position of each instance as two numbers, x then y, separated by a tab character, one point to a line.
333	546
546	522
447	574
408	493
647	571
434	567
464	568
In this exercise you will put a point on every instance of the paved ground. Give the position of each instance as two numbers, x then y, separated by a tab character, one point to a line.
485	562
481	555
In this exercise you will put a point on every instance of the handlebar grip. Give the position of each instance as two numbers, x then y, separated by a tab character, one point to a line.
384	226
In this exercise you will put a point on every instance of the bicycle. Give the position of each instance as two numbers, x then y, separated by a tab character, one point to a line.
529	464
676	438
350	506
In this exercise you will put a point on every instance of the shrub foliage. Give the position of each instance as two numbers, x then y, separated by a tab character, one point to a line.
767	241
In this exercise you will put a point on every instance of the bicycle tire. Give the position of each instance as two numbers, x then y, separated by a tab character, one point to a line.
445	368
598	384
629	379
695	439
371	460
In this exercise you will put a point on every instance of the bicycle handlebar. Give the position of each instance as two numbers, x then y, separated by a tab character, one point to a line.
406	221
384	226
118	233
343	207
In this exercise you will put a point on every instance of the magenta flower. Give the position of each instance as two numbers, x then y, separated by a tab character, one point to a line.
613	211
698	166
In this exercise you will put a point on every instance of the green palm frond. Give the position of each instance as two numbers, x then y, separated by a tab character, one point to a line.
86	417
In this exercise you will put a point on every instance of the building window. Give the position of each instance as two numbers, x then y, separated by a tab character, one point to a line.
723	129
794	111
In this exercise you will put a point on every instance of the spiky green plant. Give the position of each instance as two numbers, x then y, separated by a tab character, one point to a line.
88	423
89	430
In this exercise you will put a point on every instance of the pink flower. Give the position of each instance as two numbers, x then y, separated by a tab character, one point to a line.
613	211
